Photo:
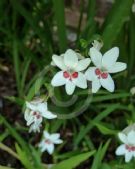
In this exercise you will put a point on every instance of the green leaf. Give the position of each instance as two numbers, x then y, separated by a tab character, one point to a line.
60	19
15	100
14	133
115	21
73	161
4	167
104	130
23	157
9	150
100	155
98	118
105	166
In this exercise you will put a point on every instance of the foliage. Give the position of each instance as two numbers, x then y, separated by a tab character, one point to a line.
28	40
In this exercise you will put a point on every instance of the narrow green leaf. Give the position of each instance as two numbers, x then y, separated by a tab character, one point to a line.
73	161
104	130
4	167
100	155
115	21
9	150
60	19
97	119
23	157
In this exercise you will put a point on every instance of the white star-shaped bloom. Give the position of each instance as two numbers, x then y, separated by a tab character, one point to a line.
48	142
128	148
103	66
71	71
35	112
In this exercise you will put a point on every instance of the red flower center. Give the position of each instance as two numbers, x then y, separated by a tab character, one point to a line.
71	76
101	74
37	115
130	148
47	141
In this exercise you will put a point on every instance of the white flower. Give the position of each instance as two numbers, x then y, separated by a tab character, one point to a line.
34	113
62	58
47	144
99	75
70	74
128	148
98	45
132	90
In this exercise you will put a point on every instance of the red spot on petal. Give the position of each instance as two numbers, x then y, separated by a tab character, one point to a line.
66	74
34	113
130	148
75	75
47	141
104	75
97	71
38	116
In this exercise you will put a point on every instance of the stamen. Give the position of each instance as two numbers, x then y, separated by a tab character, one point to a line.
66	74
101	74
34	113
104	75
75	75
130	148
97	71
37	115
47	141
70	76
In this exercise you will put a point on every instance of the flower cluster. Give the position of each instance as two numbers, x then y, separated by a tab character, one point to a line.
75	72
72	69
35	111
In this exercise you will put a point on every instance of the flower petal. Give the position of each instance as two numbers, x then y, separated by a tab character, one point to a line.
70	59
58	141
131	137
121	150
90	73
59	61
50	148
46	135
96	57
95	85
42	107
26	114
58	79
80	81
54	136
110	58
70	87
108	83
30	120
49	115
118	67
42	146
128	156
31	106
82	64
123	138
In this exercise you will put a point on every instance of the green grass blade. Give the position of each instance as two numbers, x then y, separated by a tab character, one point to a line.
16	61
115	21
97	119
60	19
